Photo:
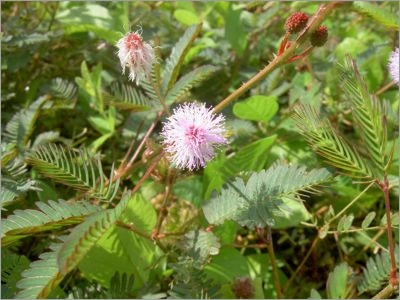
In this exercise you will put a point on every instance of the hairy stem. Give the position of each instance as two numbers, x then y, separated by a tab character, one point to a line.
148	172
124	168
163	212
394	281
270	247
281	59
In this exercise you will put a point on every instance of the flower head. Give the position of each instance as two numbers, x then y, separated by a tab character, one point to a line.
135	54
394	65
296	22
191	134
319	37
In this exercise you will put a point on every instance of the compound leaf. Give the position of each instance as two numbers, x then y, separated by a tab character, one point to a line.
256	203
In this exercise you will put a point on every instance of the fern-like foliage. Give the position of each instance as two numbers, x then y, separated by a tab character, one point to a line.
190	281
376	273
125	96
379	13
45	138
84	236
121	286
42	277
324	139
12	266
19	129
368	114
256	203
174	61
51	216
186	82
63	89
79	170
15	181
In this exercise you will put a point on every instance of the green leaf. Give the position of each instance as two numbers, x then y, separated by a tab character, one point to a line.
86	235
379	13
200	245
174	61
256	203
250	158
63	89
328	143
336	286
121	286
345	223
235	33
79	170
89	17
19	129
125	96
119	249
257	108
367	112
297	213
12	266
90	88
222	270
368	219
51	216
377	271
186	17
189	189
186	82
111	36
260	267
42	277
314	294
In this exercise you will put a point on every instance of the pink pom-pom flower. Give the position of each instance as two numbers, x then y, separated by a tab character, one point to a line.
136	55
394	65
191	133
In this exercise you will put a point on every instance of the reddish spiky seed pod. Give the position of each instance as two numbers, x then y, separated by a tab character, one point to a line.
319	37
296	22
242	288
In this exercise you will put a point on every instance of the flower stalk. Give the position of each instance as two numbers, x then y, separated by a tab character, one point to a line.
282	59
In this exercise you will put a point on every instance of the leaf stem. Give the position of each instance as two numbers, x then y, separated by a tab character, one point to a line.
123	169
385	293
350	204
148	172
282	58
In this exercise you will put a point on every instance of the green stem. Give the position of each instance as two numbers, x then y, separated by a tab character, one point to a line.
281	59
350	204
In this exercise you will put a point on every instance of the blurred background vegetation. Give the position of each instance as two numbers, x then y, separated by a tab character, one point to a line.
65	52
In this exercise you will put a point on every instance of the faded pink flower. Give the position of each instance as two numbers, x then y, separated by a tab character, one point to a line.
136	55
191	133
394	65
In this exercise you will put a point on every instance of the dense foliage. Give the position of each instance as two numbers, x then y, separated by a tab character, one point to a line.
295	202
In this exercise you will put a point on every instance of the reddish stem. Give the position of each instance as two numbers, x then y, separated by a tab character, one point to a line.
282	47
394	281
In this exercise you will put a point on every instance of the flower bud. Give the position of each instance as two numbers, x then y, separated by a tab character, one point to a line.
242	288
296	22
319	37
